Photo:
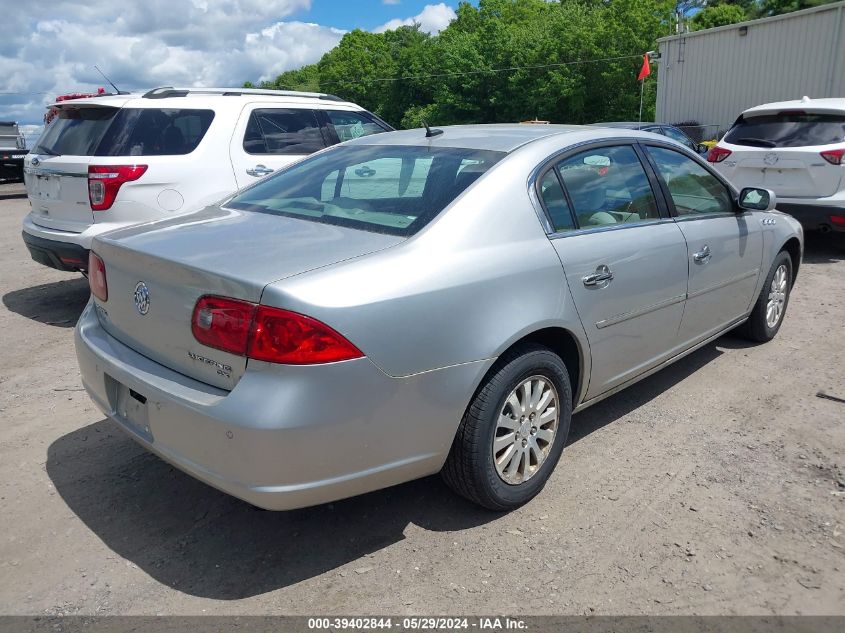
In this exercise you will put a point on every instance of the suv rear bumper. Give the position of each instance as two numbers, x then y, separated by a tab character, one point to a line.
55	254
814	217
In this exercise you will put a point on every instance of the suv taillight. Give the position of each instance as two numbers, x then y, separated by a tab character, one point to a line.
269	334
834	156
97	277
717	154
104	182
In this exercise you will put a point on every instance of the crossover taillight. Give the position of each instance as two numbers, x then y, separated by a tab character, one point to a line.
834	156
266	333
717	154
97	277
104	181
838	220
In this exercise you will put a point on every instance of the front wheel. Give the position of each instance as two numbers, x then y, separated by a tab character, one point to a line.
513	432
770	308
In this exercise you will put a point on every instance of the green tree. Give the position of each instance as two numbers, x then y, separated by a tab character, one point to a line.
717	15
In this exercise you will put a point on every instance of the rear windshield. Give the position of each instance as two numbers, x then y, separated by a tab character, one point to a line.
379	188
101	131
787	129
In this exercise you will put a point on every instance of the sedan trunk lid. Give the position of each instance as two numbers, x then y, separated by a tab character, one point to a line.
244	251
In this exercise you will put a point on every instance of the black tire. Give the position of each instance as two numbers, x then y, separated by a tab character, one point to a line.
756	328
470	469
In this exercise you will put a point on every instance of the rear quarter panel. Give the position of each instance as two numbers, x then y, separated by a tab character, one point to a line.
482	275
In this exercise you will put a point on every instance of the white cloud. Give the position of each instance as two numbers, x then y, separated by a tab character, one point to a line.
432	19
51	48
391	1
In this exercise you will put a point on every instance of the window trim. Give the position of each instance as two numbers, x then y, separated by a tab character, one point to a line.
667	194
551	162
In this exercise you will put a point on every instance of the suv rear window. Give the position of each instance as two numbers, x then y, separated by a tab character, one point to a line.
391	189
787	129
103	131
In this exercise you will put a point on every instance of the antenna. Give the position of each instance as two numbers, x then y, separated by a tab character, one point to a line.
431	132
116	89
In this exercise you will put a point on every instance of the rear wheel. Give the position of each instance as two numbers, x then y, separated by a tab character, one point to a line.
770	308
513	432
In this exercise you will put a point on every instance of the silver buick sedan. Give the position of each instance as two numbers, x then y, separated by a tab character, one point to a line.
423	301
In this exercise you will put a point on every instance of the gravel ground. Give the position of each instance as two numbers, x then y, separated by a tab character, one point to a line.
714	487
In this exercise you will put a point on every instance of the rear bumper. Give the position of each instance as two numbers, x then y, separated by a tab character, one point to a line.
285	437
55	254
814	216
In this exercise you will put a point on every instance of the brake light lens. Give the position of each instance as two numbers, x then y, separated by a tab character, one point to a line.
280	336
223	323
834	156
104	181
269	334
838	220
717	154
97	277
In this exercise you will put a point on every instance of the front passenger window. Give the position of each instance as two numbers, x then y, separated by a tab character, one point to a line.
694	190
608	185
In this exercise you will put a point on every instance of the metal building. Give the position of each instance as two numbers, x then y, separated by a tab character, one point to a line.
711	76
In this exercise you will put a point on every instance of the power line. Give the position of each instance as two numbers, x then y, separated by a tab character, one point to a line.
496	70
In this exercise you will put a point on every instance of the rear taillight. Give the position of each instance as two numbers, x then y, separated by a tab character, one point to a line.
839	220
834	156
223	323
717	154
97	277
286	337
269	334
104	181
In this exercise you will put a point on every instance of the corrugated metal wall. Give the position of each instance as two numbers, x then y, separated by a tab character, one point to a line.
712	76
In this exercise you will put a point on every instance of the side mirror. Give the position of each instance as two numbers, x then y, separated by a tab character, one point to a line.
756	199
702	149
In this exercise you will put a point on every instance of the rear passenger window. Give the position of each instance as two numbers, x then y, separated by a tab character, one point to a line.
349	125
555	201
283	131
694	190
608	185
154	132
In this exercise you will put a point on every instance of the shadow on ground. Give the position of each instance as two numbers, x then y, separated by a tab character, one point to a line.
59	303
197	540
12	195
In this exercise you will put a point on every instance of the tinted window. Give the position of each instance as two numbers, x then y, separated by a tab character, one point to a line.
155	132
677	135
694	190
75	131
555	201
349	125
382	188
788	129
100	131
608	185
283	131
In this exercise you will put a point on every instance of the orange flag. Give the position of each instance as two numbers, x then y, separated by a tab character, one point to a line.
645	71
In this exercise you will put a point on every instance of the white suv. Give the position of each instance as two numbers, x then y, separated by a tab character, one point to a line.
114	160
796	149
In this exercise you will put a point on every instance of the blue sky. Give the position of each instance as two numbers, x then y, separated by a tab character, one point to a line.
50	48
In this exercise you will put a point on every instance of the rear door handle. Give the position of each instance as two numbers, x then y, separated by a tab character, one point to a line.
601	278
702	256
259	170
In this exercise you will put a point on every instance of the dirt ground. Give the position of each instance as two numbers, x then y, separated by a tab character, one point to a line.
714	487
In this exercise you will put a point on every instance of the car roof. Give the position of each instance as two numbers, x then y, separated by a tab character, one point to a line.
831	104
630	125
177	97
499	137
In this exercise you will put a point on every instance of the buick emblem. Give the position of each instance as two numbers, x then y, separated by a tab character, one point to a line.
142	298
770	159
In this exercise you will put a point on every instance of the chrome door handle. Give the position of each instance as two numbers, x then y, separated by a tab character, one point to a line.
702	256
259	170
602	277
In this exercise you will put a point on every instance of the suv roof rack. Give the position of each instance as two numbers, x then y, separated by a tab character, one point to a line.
165	92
